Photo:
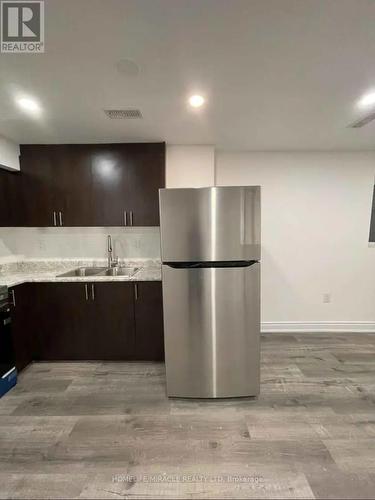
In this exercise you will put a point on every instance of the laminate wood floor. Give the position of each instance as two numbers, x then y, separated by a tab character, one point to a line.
107	430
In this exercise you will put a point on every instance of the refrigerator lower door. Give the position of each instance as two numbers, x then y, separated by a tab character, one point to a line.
212	330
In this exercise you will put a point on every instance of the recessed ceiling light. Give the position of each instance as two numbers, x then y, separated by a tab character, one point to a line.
196	101
29	105
367	100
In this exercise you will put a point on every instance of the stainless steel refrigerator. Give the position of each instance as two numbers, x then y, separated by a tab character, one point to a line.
210	247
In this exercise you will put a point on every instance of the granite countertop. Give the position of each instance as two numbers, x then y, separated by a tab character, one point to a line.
17	273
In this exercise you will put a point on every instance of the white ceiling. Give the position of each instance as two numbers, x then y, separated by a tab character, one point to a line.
277	74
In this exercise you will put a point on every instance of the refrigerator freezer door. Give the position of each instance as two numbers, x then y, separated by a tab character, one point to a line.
212	329
210	224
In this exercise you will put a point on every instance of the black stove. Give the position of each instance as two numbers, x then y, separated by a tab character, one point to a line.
8	372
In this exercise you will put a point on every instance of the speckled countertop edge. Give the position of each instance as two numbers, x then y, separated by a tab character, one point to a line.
17	273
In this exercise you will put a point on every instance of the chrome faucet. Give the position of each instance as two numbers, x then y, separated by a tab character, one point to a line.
112	261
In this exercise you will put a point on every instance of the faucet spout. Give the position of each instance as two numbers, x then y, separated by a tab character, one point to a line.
109	250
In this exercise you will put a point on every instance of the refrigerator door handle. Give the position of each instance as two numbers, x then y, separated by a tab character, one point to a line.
211	264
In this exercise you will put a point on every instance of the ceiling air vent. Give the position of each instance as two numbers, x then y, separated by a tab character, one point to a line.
123	114
363	121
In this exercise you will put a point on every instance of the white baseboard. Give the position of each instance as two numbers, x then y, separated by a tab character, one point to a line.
318	326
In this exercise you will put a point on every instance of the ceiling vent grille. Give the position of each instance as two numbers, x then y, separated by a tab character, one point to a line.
123	114
363	121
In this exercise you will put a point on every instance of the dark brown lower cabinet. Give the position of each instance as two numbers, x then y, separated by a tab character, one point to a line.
108	321
86	321
23	333
64	321
149	336
112	316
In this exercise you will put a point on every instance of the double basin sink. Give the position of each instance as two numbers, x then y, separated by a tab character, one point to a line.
100	271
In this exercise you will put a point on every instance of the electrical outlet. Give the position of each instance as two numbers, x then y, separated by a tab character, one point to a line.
326	298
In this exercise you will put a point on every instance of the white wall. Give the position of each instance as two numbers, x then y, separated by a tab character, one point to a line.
315	228
9	154
190	166
79	242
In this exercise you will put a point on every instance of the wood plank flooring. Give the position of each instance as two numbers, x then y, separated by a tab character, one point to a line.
107	430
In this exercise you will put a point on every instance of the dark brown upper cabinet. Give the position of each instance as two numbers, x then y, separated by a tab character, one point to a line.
41	192
111	186
125	183
72	168
10	199
90	185
4	201
144	163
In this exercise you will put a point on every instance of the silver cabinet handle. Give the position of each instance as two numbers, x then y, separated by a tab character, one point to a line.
13	298
86	291
125	218
131	218
54	219
93	291
135	291
61	219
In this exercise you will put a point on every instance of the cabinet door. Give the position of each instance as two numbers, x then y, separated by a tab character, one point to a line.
110	184
22	299
64	321
75	325
4	204
149	343
11	201
41	187
72	165
146	172
56	185
15	200
112	337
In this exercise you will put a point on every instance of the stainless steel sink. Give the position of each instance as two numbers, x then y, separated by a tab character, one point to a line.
100	271
119	271
83	271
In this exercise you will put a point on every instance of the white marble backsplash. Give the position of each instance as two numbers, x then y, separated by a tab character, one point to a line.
23	244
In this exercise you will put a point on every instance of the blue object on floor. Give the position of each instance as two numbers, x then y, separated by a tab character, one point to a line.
7	381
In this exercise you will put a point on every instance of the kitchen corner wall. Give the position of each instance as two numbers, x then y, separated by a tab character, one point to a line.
78	242
318	269
190	166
